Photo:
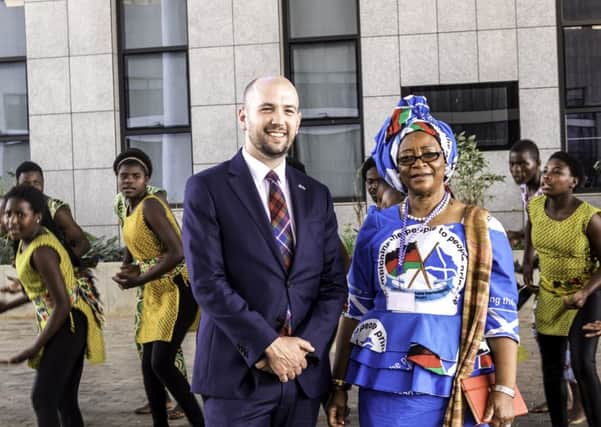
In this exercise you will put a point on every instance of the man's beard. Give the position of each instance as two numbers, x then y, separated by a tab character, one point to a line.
272	151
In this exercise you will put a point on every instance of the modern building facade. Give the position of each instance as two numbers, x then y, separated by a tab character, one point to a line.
82	79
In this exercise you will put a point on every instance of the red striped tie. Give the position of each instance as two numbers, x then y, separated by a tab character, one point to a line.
282	231
280	219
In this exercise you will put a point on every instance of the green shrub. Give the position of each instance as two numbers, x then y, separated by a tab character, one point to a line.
349	237
6	245
471	179
6	251
103	249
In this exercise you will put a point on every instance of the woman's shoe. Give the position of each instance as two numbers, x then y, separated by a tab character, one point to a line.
145	410
176	413
541	408
170	405
577	419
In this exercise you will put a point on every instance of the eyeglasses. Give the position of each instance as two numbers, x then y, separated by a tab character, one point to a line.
427	157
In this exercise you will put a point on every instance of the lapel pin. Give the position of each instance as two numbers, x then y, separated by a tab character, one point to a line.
302	187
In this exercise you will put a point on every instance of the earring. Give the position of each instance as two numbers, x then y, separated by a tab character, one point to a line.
37	220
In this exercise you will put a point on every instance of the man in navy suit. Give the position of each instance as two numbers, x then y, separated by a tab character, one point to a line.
263	254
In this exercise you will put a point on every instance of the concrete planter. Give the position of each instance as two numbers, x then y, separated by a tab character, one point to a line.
116	301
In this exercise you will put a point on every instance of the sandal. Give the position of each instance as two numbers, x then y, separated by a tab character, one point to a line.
541	408
142	410
176	413
145	410
170	405
577	419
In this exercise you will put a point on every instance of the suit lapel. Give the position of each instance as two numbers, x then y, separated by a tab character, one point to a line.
242	184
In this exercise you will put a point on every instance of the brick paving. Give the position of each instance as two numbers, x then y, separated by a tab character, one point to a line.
109	392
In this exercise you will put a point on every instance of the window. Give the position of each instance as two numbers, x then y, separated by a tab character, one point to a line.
580	83
582	61
488	110
322	60
14	124
574	10
154	89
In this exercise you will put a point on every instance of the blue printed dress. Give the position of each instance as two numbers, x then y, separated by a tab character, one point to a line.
406	345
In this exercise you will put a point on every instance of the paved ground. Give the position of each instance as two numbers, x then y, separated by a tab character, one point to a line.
109	392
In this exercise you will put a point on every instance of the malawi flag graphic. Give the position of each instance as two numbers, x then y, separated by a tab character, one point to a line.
412	260
392	262
397	121
426	359
424	127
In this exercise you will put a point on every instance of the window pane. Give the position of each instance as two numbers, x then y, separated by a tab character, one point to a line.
583	132
157	90
12	154
581	9
332	155
583	66
12	30
312	18
155	23
171	156
326	78
13	99
489	111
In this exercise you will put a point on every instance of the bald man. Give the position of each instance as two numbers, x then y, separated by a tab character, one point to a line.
262	249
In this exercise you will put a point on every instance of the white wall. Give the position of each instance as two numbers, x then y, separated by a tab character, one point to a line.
407	43
73	90
72	104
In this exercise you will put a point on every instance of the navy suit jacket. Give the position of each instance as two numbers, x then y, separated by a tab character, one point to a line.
239	280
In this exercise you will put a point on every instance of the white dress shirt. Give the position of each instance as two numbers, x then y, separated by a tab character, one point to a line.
258	171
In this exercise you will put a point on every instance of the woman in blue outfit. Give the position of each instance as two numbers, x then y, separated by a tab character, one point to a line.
432	294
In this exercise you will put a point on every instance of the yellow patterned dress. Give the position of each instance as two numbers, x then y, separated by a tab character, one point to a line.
80	299
120	206
85	276
566	263
55	204
160	299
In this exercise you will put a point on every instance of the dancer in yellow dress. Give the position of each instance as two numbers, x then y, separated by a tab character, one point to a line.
67	315
566	234
120	207
153	239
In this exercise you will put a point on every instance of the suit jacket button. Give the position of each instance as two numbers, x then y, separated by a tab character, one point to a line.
289	284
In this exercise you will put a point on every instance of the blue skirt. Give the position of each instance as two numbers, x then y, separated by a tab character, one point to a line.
377	408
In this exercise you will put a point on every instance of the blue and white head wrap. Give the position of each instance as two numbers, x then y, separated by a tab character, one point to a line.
411	114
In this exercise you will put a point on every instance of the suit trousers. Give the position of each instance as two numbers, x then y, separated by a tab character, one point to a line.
273	404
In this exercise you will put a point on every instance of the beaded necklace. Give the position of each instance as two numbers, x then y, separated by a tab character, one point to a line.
424	223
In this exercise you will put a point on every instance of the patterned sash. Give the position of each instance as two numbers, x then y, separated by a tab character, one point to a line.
475	305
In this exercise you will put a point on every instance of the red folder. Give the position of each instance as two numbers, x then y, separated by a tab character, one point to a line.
476	390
